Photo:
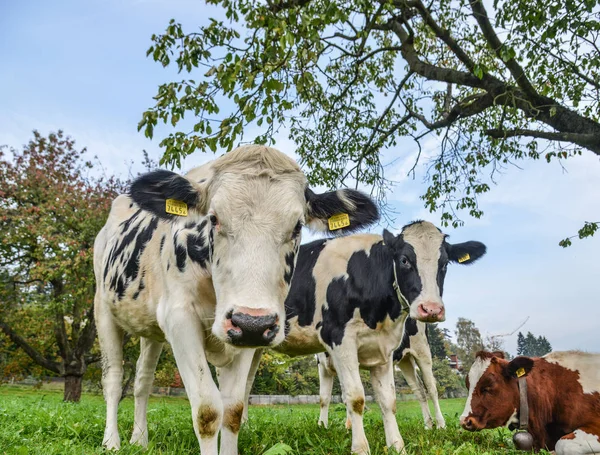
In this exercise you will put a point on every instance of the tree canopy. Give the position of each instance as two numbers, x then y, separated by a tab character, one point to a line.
497	83
50	212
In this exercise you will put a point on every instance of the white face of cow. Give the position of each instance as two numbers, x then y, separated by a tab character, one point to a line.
256	201
422	254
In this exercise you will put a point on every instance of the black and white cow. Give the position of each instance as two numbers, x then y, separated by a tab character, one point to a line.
204	261
343	300
414	351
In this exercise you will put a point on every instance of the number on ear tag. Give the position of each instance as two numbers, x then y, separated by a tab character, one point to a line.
176	207
464	258
520	372
338	221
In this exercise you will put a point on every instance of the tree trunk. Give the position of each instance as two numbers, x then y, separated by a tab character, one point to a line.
72	388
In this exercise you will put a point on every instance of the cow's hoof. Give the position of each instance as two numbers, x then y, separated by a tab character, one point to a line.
112	444
140	439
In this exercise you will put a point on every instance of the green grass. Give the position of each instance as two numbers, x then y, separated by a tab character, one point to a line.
38	422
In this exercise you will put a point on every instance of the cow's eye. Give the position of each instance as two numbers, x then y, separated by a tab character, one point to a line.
297	230
404	262
213	220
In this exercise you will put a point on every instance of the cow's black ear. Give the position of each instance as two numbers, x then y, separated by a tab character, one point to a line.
465	253
151	191
391	240
339	212
519	366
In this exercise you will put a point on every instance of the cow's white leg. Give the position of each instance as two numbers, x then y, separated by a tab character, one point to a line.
345	360
325	387
583	441
426	367
184	331
250	382
110	337
382	378
144	376
233	394
408	370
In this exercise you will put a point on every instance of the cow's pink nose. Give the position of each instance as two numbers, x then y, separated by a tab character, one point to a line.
431	312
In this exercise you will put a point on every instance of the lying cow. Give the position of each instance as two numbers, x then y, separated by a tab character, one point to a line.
563	396
414	350
204	261
348	296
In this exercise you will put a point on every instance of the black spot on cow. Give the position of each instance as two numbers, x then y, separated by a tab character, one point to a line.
442	265
197	249
127	223
131	264
168	265
410	330
162	242
190	225
301	298
180	256
368	288
289	262
200	227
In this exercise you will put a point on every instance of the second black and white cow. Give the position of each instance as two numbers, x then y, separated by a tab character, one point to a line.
414	351
348	297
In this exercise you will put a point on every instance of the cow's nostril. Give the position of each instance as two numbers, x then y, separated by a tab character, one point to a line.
254	330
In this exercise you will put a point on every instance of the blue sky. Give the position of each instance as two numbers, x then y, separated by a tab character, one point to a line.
81	67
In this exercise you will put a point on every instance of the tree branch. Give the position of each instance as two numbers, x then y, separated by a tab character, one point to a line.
464	108
577	138
30	351
489	34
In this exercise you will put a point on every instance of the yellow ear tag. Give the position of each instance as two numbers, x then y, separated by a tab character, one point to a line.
176	207
520	372
464	258
338	221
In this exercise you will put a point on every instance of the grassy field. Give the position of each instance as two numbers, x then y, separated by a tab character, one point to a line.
40	423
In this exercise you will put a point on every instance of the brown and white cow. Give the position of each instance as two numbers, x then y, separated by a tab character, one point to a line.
563	394
204	261
344	300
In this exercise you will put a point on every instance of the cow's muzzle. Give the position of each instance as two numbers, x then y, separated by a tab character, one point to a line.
251	330
470	423
431	312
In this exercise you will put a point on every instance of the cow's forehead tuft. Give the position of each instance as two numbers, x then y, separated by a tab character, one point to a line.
423	235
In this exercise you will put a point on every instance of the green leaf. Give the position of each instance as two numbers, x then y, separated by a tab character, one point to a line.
279	449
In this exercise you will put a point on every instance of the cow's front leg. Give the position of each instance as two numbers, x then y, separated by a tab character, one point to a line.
382	378
583	441
183	330
326	377
233	394
144	377
345	360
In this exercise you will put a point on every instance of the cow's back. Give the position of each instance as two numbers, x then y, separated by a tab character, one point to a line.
586	364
